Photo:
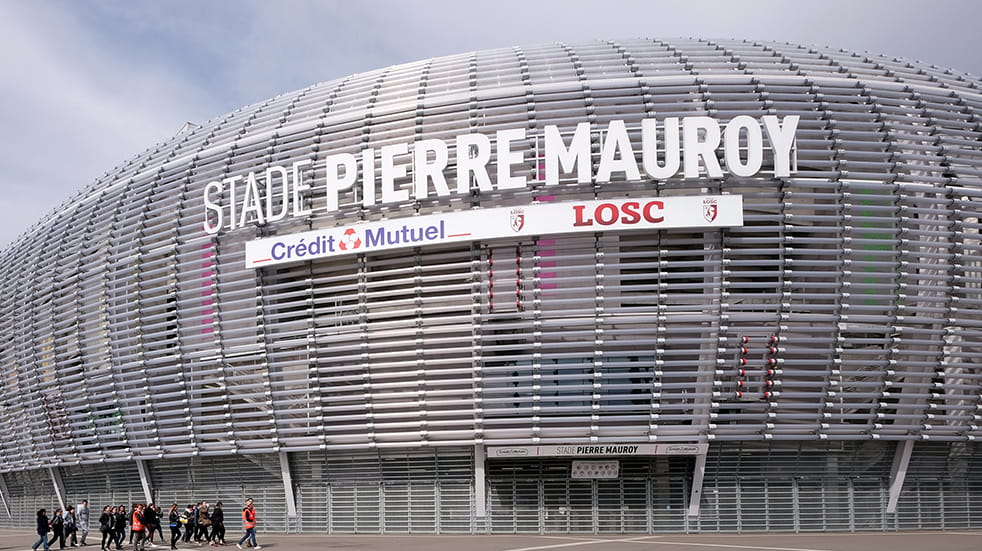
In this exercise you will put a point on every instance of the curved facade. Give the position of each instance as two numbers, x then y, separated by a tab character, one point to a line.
824	351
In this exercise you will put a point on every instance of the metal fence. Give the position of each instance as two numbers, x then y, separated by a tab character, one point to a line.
748	487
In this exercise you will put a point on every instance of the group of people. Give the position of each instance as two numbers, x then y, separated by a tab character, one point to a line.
65	526
198	522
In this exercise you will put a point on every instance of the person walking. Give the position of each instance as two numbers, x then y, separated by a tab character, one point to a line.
82	516
42	530
112	528
129	519
119	520
204	522
187	519
106	527
158	516
57	529
249	524
70	526
137	528
174	521
218	525
149	523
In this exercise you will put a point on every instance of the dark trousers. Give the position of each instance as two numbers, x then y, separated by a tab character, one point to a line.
218	533
107	537
175	534
57	534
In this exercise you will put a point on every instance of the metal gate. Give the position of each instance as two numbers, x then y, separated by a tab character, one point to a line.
401	492
539	496
587	506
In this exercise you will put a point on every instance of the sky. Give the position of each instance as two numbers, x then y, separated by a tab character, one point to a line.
88	84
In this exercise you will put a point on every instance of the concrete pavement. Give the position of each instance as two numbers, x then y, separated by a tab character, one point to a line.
21	540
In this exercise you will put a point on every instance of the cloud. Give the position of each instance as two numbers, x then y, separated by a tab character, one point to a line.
89	85
73	109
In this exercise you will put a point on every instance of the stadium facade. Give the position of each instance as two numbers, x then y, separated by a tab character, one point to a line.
617	286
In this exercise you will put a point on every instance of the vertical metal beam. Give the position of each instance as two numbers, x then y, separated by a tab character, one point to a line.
58	484
898	472
480	490
291	502
145	481
4	492
698	474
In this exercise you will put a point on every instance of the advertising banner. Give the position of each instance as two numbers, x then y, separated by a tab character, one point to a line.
702	211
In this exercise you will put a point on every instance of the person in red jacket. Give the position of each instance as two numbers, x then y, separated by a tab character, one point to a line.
249	523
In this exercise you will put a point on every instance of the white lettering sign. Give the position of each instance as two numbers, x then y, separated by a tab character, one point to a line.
595	450
420	170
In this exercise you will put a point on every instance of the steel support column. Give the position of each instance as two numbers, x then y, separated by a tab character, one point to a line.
698	473
480	489
898	472
4	492
141	466
59	486
291	502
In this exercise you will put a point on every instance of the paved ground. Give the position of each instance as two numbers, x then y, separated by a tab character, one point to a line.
21	540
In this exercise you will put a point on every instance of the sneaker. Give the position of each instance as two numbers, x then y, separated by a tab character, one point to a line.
239	545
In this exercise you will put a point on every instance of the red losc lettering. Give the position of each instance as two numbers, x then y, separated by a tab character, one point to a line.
648	207
578	209
606	214
631	214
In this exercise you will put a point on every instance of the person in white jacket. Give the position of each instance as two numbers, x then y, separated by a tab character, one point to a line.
82	516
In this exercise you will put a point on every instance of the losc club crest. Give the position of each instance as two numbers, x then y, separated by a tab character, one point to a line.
710	209
517	219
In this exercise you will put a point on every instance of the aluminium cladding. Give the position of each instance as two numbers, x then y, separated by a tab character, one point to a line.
854	283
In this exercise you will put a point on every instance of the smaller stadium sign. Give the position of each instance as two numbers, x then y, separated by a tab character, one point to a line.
716	211
595	450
